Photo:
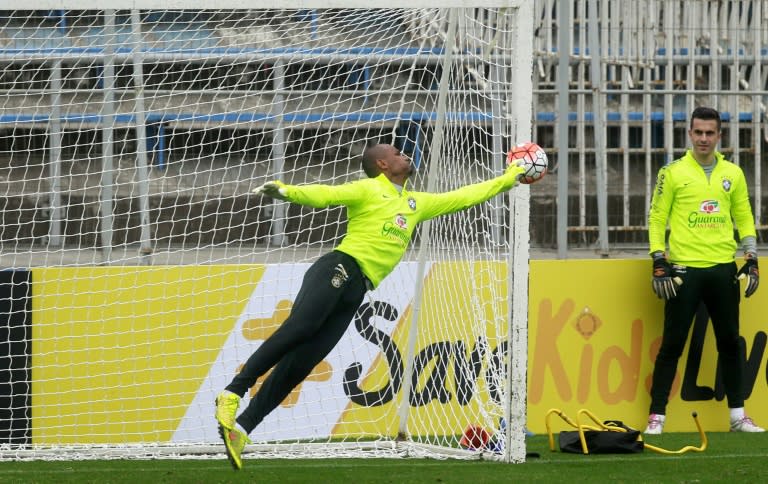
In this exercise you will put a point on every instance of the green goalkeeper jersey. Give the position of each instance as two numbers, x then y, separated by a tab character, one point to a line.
381	220
701	211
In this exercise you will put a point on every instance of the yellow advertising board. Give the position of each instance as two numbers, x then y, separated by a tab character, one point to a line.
111	344
594	329
447	383
114	344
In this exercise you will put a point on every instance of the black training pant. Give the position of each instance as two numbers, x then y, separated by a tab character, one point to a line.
718	288
330	294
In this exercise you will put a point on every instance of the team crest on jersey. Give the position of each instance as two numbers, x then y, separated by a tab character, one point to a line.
401	221
709	206
727	184
412	203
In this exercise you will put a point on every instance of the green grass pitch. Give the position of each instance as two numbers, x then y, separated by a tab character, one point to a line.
729	458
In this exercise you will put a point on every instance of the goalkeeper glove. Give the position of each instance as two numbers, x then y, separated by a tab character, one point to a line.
749	272
274	189
516	170
664	285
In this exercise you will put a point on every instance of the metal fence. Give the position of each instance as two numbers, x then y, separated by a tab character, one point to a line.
656	60
652	61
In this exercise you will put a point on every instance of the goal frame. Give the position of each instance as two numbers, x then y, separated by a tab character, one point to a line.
520	123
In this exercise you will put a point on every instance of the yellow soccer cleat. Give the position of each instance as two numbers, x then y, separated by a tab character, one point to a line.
235	442
227	404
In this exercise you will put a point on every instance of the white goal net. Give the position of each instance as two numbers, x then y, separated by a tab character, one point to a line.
142	272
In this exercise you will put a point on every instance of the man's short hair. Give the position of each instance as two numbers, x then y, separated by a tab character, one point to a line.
370	154
707	114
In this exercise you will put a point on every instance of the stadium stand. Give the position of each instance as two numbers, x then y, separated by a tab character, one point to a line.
176	132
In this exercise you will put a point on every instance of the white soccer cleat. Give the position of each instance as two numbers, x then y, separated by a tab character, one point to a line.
655	424
745	424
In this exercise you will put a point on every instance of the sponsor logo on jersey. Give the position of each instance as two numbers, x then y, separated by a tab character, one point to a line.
397	229
707	217
709	206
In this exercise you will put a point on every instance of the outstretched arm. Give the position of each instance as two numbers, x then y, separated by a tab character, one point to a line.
449	202
317	196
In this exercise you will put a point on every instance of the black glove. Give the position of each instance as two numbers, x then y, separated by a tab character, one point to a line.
664	285
751	273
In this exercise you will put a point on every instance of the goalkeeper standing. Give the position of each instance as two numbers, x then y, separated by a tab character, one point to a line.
702	196
382	215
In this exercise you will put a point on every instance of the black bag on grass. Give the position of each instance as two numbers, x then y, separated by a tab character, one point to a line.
603	441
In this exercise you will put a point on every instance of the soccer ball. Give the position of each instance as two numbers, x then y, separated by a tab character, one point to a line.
534	161
475	437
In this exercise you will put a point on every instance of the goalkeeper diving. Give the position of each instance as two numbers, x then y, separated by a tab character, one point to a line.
382	215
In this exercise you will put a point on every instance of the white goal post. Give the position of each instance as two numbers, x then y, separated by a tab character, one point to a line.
143	271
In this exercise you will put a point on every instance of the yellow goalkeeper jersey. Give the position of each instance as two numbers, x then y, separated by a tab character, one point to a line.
701	212
381	220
